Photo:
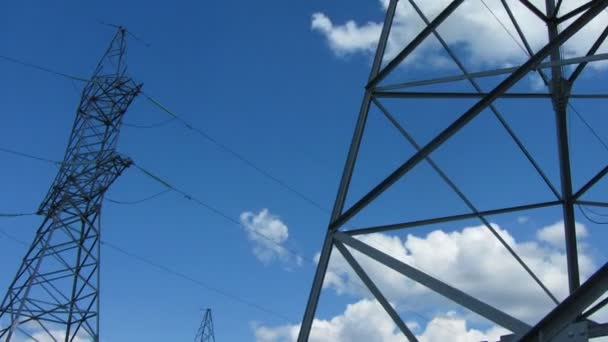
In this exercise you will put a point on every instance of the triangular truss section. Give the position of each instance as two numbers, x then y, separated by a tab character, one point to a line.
205	331
548	65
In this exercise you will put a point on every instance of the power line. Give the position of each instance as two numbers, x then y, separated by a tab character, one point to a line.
196	281
178	274
41	68
580	207
503	26
223	147
80	79
218	212
152	125
588	208
593	132
17	214
199	283
145	199
208	207
58	163
234	153
30	156
185	194
12	238
47	160
189	126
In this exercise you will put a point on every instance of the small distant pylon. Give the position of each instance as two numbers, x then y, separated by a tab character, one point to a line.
205	331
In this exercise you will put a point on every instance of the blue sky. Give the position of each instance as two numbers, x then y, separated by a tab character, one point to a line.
282	88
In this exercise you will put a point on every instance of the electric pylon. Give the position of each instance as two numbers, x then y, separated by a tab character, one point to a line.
205	331
55	293
569	318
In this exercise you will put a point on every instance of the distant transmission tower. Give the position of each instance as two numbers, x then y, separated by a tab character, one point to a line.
205	331
569	318
55	294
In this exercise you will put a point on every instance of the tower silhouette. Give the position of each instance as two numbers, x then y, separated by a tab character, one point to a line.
55	293
205	331
570	316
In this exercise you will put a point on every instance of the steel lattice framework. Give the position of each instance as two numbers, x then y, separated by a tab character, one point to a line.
205	331
570	316
55	293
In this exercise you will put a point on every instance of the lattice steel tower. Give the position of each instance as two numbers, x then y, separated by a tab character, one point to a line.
55	294
205	331
569	319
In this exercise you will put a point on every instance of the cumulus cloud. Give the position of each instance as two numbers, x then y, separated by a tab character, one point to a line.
348	38
450	327
472	27
554	234
40	335
366	321
472	260
268	234
56	336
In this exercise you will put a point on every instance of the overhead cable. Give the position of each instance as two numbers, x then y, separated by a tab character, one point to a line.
580	208
178	274
218	212
145	199
234	153
189	126
196	281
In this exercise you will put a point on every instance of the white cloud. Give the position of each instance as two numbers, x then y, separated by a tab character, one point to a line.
450	327
40	335
472	27
472	260
366	321
522	219
56	336
348	38
554	234
269	235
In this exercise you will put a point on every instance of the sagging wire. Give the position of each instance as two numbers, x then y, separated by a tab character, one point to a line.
145	199
580	208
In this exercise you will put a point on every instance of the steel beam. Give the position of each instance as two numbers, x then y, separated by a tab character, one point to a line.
569	309
598	330
490	73
315	292
560	89
595	308
575	12
465	199
591	183
455	95
445	290
445	219
376	292
468	95
534	10
492	107
469	115
593	203
394	63
598	43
